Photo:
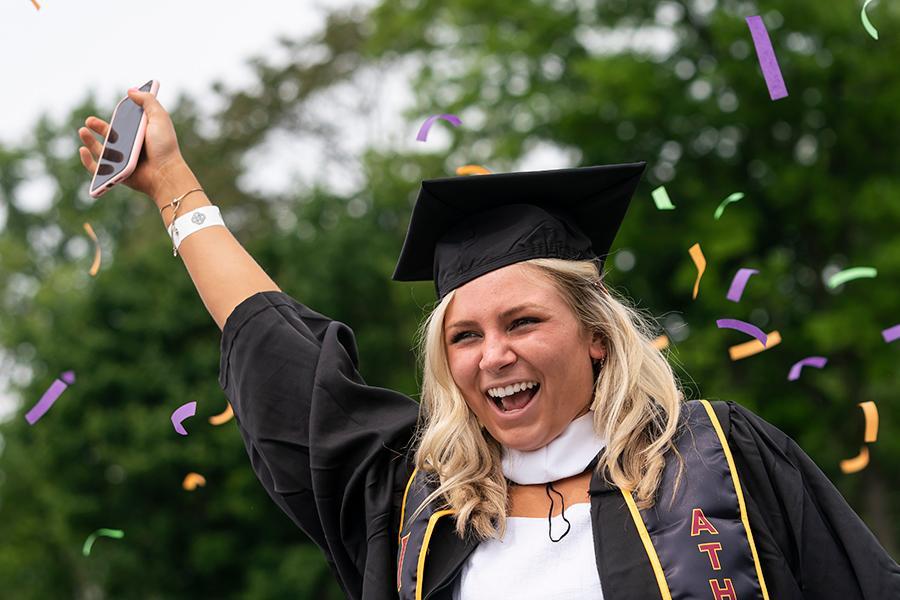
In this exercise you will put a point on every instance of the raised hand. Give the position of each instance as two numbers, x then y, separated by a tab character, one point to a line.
159	152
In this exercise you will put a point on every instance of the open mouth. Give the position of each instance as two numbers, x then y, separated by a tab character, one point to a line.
516	401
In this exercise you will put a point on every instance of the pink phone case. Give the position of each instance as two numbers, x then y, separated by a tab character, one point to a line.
135	150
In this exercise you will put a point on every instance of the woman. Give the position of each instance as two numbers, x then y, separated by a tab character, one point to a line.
553	455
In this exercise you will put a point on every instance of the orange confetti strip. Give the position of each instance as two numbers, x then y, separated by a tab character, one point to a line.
739	351
661	342
95	267
223	417
472	170
192	480
857	463
699	260
871	413
36	5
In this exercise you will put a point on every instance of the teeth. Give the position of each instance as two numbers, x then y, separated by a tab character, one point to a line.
511	389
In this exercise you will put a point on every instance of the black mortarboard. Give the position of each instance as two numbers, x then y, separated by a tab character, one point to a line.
464	227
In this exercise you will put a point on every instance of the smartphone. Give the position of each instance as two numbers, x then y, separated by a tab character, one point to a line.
122	146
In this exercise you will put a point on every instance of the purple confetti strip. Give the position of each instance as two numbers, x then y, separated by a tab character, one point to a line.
53	392
818	362
423	130
891	334
738	283
744	327
766	55
181	413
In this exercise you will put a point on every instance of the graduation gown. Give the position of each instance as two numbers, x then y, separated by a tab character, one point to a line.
334	454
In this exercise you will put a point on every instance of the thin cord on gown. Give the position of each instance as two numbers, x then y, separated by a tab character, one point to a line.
550	514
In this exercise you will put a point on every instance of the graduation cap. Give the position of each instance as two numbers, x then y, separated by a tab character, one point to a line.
464	227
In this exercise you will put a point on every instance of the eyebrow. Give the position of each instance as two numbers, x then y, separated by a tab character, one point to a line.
503	315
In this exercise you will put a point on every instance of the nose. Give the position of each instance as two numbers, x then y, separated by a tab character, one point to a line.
496	353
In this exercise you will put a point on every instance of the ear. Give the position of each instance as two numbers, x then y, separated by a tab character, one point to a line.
598	347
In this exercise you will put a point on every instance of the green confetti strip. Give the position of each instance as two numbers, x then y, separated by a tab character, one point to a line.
732	198
865	20
661	198
846	275
89	542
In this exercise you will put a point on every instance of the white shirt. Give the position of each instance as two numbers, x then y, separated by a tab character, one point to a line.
526	565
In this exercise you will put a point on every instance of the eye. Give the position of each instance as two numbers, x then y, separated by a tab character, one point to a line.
524	320
460	336
465	334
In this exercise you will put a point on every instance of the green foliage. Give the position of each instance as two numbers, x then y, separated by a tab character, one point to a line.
817	168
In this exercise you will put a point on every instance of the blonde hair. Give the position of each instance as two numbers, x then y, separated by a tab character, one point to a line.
636	406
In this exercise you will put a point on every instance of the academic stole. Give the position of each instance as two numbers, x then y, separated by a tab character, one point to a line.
415	535
700	544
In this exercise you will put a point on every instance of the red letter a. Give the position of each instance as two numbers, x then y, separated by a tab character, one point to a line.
699	523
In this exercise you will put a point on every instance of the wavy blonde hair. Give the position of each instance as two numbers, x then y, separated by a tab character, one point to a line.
636	405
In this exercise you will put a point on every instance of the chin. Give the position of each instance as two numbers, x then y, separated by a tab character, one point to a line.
525	447
522	441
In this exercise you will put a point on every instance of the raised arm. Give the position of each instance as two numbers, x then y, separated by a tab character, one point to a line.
223	272
330	450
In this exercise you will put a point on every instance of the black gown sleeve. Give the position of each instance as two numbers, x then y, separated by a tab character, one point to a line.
330	450
811	543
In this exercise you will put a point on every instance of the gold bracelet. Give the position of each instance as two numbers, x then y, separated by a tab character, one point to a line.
176	203
178	200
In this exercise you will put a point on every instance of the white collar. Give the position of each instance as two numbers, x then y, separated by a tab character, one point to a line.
569	454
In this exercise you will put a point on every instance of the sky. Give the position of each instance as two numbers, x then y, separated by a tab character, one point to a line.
54	56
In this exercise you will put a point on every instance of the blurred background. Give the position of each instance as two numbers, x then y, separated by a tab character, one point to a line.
299	120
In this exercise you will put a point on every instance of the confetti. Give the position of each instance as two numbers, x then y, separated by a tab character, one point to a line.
891	334
89	542
472	170
223	417
865	20
700	261
818	362
661	198
53	392
736	290
96	265
731	198
870	412
661	342
857	463
746	349
743	326
846	275
181	413
423	130
192	480
766	56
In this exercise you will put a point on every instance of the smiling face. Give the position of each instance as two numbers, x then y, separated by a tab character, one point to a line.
512	326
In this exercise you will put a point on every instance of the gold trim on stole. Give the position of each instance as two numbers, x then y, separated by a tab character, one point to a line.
403	506
420	569
740	495
648	545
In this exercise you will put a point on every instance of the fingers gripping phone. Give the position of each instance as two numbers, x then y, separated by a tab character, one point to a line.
122	146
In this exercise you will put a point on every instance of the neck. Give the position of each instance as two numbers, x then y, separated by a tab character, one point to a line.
531	500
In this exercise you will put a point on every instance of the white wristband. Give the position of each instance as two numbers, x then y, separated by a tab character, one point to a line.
194	221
